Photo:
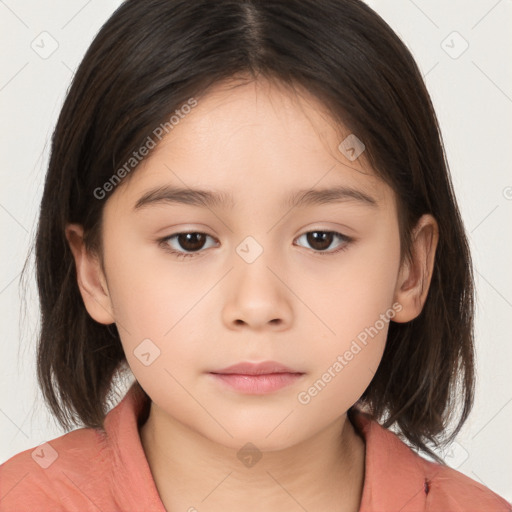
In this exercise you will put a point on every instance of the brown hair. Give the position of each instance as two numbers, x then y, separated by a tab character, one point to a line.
153	55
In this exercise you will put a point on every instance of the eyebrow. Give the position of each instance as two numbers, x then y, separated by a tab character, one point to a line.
210	199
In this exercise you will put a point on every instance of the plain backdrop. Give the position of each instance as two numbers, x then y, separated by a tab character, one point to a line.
463	49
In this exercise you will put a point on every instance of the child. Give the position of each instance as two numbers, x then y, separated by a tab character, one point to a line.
268	363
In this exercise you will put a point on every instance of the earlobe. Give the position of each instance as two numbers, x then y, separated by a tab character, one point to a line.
90	278
415	274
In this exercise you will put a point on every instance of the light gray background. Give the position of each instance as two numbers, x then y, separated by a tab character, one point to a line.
472	94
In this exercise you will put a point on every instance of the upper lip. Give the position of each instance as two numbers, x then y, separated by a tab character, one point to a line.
248	368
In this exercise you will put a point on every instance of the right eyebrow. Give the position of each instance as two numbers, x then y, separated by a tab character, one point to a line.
195	197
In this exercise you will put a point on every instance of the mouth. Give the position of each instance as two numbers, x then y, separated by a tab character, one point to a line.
257	378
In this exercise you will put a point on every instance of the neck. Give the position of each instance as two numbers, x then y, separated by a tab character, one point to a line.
324	472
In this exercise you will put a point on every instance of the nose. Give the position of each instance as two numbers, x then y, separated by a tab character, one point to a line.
257	297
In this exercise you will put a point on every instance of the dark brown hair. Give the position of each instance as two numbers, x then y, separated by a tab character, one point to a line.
152	56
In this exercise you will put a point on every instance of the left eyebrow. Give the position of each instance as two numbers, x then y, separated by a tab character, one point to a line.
210	199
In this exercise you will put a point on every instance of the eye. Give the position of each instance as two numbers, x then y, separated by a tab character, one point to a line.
189	241
189	244
321	240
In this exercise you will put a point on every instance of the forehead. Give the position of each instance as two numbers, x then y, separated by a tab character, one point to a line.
254	136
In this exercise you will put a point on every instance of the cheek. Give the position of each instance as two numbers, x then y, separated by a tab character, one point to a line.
149	289
351	292
344	364
356	304
156	310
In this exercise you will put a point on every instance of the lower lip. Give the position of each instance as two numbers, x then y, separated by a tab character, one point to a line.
258	384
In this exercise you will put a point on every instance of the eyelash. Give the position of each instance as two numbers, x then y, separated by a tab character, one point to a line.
179	254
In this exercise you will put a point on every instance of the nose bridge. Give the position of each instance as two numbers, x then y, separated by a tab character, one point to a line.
255	259
258	297
250	249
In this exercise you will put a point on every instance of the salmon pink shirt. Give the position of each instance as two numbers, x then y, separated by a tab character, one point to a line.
94	470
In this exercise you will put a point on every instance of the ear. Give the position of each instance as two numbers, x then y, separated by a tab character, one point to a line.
91	280
415	275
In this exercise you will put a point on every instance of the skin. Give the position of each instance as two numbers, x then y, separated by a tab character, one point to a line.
292	304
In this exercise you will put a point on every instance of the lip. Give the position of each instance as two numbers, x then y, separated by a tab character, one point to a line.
257	378
248	368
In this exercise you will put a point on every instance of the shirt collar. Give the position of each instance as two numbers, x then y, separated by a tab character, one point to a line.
132	482
394	474
395	477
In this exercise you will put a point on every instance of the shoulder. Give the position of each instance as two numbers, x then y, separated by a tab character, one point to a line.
69	465
448	487
85	470
398	478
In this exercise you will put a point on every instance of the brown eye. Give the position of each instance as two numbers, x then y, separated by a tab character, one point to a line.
321	240
191	241
185	244
190	244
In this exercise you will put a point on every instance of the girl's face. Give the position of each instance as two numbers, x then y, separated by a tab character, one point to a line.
254	286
